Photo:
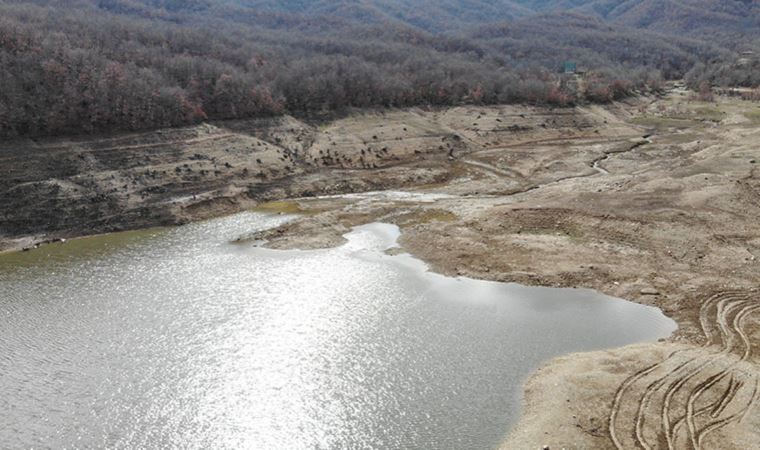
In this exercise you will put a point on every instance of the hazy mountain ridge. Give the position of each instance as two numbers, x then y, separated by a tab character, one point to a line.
427	14
589	41
727	17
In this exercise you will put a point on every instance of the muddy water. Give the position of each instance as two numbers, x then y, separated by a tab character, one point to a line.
177	338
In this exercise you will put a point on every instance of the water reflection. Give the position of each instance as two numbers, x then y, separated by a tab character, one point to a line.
175	338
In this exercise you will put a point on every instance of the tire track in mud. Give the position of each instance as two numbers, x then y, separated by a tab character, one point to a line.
694	392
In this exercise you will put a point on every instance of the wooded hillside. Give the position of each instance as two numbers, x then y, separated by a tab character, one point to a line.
81	66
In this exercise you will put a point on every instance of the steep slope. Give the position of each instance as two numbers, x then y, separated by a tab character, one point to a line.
431	15
146	64
83	66
551	38
695	17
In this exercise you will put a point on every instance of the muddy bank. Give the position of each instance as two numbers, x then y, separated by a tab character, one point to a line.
670	221
80	186
655	201
66	188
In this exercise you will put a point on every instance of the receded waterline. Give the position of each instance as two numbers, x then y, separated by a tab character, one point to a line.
177	338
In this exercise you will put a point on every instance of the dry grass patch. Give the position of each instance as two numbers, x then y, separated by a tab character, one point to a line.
754	116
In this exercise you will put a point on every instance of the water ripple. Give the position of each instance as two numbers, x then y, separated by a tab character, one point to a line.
174	338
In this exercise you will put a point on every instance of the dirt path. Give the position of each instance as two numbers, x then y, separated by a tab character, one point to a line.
663	221
566	198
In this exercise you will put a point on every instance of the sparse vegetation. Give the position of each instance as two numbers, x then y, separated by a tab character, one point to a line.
754	116
662	122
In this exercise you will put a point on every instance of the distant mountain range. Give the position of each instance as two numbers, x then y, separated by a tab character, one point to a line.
694	17
725	17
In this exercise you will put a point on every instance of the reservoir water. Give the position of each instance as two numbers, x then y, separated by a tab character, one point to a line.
177	338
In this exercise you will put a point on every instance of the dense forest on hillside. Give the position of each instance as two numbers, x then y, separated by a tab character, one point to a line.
80	66
696	17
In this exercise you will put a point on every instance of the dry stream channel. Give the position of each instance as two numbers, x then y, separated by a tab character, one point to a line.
179	338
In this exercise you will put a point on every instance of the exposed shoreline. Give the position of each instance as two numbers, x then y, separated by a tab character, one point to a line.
667	222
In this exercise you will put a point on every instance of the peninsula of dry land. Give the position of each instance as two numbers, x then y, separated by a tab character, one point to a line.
655	200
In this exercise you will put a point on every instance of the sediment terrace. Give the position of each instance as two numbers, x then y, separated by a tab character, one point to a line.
655	200
78	186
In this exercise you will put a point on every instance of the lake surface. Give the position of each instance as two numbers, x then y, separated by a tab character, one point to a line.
178	338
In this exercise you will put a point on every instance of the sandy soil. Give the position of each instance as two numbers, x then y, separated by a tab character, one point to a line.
660	208
654	200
